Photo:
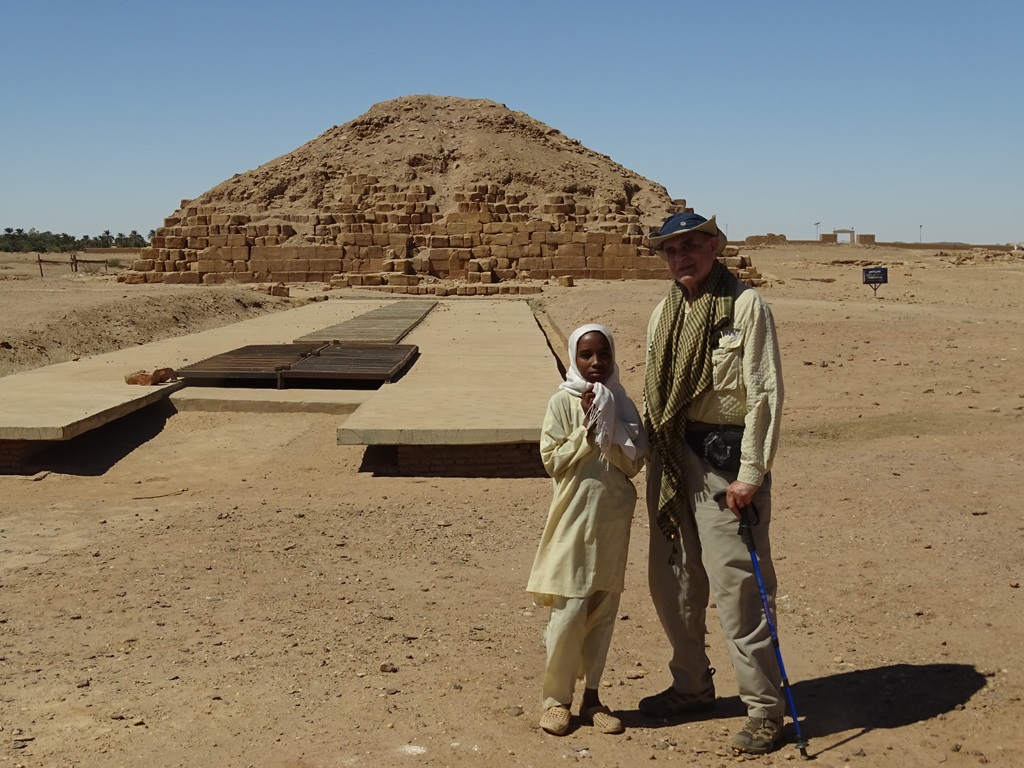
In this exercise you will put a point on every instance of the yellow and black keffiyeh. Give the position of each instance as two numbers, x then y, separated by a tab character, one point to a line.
679	369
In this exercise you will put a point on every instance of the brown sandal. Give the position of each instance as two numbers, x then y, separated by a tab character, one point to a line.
555	720
602	719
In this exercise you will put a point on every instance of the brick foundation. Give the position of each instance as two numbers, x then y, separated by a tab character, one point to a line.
500	460
15	455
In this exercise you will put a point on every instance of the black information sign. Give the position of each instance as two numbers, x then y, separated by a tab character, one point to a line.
876	276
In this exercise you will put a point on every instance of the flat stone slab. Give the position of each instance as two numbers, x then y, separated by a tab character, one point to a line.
484	375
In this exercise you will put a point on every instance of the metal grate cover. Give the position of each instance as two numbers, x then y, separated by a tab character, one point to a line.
283	363
386	325
372	362
256	361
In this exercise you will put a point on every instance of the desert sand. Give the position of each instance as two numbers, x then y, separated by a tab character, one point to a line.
231	590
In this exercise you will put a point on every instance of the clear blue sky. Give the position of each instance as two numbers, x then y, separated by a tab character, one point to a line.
902	118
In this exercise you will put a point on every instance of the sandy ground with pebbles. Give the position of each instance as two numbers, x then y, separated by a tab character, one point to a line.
231	590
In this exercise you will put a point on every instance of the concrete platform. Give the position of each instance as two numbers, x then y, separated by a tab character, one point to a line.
62	401
484	376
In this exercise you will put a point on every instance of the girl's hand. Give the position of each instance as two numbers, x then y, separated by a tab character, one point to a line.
588	398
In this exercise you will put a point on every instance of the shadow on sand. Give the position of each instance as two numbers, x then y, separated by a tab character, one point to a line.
883	698
863	700
96	451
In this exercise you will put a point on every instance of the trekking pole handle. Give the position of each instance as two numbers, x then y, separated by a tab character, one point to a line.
746	532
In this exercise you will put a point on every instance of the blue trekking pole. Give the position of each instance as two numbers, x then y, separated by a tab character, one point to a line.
748	538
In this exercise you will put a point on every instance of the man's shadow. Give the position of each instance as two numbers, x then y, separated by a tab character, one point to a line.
863	700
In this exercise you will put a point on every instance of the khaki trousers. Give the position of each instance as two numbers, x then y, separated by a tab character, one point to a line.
710	555
578	636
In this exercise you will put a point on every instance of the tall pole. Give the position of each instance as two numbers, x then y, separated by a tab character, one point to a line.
919	228
816	229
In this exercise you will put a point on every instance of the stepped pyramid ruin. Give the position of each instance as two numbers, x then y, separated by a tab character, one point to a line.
418	189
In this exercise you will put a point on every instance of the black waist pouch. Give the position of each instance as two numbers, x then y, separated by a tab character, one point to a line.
719	448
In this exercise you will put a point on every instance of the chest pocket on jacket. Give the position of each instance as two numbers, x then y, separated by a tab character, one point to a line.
727	361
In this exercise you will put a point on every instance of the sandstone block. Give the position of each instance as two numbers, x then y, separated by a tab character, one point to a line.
213	265
571	250
402	279
564	263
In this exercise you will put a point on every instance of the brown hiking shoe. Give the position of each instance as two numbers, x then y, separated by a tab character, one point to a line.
671	704
759	736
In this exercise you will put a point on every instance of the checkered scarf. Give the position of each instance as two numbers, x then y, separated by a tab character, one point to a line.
679	369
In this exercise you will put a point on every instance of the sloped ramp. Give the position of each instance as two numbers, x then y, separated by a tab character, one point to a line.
387	325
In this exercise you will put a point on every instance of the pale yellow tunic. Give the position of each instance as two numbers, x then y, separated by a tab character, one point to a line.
586	539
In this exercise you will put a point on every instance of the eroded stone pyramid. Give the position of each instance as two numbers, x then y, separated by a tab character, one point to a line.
419	187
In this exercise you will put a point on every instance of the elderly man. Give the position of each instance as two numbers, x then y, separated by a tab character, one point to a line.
713	394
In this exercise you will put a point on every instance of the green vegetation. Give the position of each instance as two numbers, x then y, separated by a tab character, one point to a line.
19	241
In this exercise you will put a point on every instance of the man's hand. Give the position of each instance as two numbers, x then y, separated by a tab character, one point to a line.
739	495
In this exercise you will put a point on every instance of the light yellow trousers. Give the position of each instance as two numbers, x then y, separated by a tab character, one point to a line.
578	636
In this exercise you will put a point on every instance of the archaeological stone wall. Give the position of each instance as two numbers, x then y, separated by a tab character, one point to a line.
389	236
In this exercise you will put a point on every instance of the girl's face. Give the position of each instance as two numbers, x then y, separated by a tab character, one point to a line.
594	358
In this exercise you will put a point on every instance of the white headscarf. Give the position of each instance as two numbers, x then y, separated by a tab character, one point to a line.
613	416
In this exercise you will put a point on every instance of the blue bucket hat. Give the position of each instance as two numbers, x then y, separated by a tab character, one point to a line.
679	223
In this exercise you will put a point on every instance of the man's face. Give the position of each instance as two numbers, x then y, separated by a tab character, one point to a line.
690	257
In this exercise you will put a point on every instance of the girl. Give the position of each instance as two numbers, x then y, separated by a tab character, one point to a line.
592	443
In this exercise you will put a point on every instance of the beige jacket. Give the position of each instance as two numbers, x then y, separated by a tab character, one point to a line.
747	388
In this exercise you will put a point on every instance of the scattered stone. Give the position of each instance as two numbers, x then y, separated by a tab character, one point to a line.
387	666
150	378
514	711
